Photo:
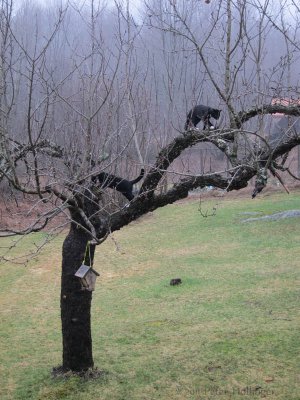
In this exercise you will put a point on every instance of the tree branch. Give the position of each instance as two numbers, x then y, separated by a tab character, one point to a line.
244	116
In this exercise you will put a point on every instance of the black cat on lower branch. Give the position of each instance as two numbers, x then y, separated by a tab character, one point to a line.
122	185
201	113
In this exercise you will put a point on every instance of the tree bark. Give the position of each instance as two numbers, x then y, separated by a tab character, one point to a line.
75	305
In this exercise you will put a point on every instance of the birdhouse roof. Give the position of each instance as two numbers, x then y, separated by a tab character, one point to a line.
83	270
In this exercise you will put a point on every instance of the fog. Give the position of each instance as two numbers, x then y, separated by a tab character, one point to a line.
116	79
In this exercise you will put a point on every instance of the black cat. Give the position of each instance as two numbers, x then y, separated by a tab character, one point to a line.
201	113
115	182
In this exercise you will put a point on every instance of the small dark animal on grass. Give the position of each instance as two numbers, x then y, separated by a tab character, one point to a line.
175	281
122	185
201	113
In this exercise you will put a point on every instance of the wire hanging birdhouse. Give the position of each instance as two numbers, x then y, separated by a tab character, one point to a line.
86	273
87	276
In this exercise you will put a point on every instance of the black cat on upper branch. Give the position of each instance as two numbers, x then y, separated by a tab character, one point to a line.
201	113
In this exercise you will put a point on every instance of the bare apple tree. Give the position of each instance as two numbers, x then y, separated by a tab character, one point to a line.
82	90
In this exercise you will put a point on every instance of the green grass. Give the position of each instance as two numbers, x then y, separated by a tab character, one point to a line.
230	331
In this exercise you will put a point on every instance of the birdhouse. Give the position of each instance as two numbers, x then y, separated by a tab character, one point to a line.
87	276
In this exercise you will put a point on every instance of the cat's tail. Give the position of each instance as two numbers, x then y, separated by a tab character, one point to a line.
188	121
136	180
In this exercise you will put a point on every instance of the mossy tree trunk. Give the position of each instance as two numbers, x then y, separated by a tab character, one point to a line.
75	304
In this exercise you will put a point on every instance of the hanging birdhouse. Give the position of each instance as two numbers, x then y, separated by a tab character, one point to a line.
87	276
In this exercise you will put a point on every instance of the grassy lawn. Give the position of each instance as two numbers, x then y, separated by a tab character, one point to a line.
230	331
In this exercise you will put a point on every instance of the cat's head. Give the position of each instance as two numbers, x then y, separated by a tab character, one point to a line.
215	113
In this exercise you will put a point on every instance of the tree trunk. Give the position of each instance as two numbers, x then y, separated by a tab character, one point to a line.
75	305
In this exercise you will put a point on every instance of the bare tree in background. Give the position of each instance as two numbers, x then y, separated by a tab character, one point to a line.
86	94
